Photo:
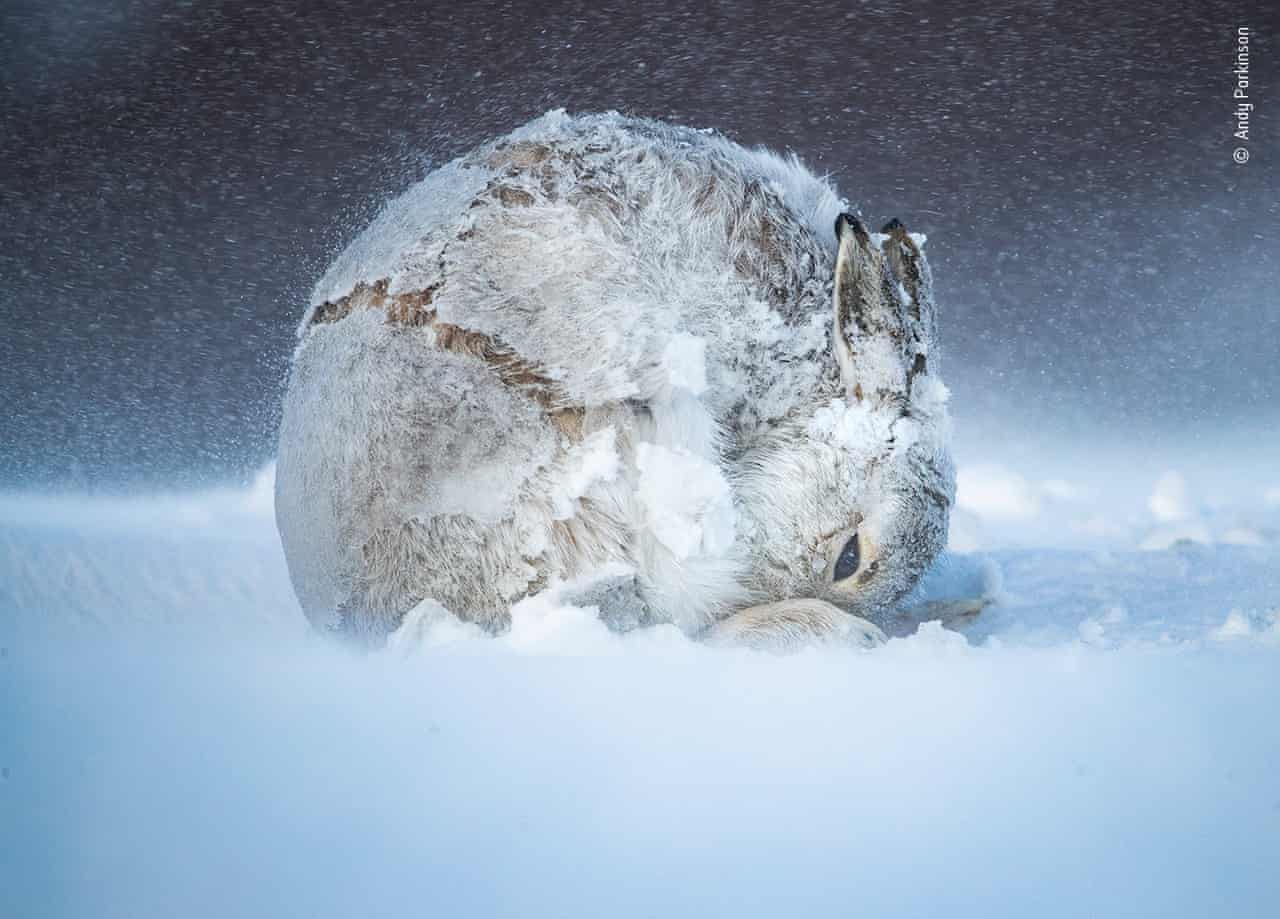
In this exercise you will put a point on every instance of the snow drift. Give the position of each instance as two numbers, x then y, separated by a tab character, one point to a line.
1104	740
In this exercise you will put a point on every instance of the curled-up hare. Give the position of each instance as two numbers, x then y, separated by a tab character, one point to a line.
604	344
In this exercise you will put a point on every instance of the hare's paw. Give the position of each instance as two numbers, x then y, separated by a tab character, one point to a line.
792	624
955	614
620	600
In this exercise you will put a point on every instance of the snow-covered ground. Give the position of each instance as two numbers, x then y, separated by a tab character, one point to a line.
1103	741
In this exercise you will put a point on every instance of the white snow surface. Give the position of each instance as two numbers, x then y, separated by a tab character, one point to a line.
1103	740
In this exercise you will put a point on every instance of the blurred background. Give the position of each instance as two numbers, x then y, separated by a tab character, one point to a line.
175	176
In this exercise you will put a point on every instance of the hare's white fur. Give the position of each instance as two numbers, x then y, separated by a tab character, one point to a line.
603	341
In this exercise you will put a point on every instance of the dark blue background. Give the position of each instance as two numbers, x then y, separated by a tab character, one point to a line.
173	178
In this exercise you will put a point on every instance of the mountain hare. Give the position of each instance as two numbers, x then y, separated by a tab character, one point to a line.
615	348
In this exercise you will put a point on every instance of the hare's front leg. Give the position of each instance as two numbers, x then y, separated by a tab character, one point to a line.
791	624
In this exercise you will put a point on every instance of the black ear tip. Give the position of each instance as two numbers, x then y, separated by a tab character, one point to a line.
847	219
894	224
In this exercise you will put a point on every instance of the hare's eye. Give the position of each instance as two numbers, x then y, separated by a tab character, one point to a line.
847	563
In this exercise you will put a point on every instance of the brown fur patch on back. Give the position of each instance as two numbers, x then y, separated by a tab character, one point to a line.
762	224
757	226
526	167
569	421
363	297
407	309
412	309
511	368
521	155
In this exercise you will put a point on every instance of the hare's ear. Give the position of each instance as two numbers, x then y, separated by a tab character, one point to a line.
905	253
883	309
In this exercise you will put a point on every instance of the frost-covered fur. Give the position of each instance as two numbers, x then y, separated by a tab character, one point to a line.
604	343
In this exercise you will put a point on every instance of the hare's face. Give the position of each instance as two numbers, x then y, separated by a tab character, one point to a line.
893	527
850	504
